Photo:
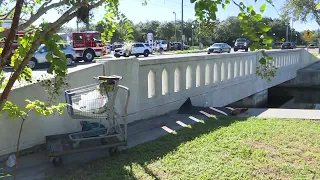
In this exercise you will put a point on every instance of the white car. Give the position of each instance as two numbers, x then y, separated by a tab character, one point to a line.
149	47
219	48
135	49
40	56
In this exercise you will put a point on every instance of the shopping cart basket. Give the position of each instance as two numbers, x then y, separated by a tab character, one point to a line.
92	102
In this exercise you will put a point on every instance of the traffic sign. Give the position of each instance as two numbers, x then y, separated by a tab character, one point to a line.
307	35
283	39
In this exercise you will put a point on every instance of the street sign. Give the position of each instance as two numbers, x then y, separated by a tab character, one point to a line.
189	38
307	35
283	39
183	37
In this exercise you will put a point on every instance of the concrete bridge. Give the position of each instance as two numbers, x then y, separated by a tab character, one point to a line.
159	85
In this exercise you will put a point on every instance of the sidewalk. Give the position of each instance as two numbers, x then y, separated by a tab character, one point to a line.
37	166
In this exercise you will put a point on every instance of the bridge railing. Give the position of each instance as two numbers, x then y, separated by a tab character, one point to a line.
164	82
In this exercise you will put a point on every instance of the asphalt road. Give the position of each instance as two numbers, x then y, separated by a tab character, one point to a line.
37	73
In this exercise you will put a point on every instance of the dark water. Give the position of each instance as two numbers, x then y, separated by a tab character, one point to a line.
294	98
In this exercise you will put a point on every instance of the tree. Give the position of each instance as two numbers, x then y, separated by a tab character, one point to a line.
302	10
23	14
165	31
228	31
251	25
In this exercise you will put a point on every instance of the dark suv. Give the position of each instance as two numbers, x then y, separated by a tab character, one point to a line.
241	43
288	45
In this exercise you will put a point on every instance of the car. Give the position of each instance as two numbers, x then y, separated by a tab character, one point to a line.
135	49
219	48
161	44
40	56
241	43
177	46
288	45
313	45
150	48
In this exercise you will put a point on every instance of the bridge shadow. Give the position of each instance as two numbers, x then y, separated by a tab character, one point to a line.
122	166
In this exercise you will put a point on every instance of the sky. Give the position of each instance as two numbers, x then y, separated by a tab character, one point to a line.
162	10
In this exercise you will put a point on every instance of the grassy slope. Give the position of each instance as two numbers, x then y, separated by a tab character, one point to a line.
232	148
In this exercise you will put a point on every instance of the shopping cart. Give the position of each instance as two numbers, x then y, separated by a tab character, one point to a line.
92	102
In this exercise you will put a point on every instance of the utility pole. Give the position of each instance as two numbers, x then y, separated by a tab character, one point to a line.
287	33
175	26
291	29
182	25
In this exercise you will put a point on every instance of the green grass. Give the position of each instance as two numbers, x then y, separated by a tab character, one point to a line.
187	51
316	54
225	148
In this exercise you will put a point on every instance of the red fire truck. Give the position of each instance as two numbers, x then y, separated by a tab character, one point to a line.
15	43
88	45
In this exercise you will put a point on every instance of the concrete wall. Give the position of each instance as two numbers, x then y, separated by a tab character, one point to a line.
158	85
162	84
308	76
256	100
37	127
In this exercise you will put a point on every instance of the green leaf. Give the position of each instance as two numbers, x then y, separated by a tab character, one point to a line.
263	7
318	6
224	6
263	27
263	60
268	40
250	9
257	17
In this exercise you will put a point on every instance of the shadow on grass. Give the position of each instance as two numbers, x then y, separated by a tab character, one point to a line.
121	166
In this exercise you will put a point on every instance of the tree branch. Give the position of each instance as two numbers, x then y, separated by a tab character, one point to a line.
13	31
46	32
5	16
41	11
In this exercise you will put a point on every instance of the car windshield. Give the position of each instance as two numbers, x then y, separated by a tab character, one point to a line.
97	37
42	47
287	44
217	45
241	40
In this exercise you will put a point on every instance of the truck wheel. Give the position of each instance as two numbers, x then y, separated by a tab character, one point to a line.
235	50
246	50
88	56
69	60
32	63
146	53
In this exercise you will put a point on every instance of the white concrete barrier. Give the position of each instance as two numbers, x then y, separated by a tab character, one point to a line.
37	127
162	84
158	85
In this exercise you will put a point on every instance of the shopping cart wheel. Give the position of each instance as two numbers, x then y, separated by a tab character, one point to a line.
113	150
104	141
57	161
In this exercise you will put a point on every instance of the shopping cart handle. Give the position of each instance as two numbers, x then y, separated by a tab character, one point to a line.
113	77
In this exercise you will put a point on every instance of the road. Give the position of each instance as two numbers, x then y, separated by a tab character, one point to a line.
37	73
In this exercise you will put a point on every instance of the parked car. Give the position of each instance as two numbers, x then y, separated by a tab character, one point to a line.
241	43
313	45
288	45
149	47
162	44
136	49
177	46
219	48
40	56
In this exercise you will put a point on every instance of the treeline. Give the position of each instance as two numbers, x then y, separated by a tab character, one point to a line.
219	31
